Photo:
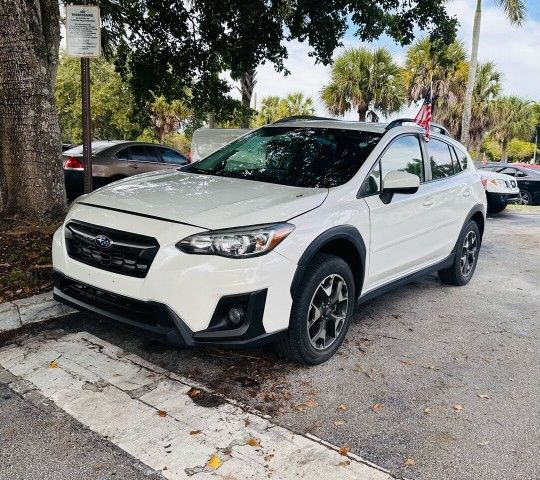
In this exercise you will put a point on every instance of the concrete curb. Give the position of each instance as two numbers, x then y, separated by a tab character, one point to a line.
29	310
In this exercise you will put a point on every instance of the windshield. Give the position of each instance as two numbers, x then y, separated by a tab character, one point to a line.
298	156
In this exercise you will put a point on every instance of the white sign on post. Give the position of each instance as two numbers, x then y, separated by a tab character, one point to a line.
83	33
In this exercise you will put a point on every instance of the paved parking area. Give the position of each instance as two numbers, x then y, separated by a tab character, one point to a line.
434	382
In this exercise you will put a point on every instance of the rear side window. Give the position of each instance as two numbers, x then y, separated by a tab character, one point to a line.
440	159
142	153
170	156
455	159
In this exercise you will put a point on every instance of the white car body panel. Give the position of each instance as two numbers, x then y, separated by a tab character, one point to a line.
496	187
207	201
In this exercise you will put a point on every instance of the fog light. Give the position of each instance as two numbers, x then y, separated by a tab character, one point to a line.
236	315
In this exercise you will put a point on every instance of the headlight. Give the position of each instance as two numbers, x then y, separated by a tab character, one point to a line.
237	242
498	182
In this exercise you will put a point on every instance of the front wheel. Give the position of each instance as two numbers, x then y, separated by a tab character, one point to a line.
465	258
525	198
321	313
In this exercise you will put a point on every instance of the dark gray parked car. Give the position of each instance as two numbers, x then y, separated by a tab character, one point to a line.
116	159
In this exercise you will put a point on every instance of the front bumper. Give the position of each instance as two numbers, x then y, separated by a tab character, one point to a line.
185	289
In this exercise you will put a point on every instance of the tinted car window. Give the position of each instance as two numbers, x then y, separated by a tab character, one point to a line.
404	155
440	159
455	159
122	154
372	184
142	153
170	156
299	156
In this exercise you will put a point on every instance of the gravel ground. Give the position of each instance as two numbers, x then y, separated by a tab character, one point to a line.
434	382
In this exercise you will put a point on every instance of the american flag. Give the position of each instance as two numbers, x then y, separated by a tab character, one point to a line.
423	117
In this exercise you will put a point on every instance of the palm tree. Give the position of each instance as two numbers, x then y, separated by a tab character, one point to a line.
515	12
296	104
166	117
488	87
443	68
513	118
366	81
247	85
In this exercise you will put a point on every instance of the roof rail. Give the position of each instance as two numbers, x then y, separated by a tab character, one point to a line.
433	127
303	117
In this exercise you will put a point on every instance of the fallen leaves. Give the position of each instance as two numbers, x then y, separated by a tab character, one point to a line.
306	405
53	364
214	462
253	442
406	361
342	407
194	432
482	396
377	407
338	423
409	462
161	413
194	392
344	451
458	407
427	411
485	443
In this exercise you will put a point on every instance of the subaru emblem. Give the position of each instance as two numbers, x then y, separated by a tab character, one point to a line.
102	241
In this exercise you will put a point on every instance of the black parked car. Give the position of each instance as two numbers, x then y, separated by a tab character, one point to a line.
528	180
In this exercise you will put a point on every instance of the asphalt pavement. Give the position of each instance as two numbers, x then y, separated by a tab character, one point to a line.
434	382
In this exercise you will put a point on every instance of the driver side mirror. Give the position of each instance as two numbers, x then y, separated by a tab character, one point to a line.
398	182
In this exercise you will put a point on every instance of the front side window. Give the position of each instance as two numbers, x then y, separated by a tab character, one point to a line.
440	159
297	156
404	155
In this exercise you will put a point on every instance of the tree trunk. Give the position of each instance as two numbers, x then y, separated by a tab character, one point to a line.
212	120
31	177
504	151
247	85
362	114
467	102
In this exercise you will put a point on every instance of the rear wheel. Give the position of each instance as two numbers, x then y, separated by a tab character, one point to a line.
465	258
321	312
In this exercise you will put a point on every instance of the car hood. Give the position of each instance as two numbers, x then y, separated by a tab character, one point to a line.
206	201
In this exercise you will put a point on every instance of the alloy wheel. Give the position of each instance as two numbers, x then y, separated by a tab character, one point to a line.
524	198
327	311
469	251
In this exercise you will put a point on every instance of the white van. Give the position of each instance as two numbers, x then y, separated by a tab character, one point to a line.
207	140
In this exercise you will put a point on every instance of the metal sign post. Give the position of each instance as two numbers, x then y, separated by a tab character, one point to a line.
83	40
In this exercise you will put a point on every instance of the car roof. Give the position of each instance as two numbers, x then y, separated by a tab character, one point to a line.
100	146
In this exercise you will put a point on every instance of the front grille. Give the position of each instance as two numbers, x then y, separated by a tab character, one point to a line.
124	307
120	252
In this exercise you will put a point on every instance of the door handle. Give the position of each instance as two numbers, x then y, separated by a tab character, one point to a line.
428	203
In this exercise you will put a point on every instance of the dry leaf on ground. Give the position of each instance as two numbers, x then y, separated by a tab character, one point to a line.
483	444
344	451
53	364
194	392
338	423
377	407
342	407
427	411
162	413
483	396
194	432
409	462
214	462
253	442
458	407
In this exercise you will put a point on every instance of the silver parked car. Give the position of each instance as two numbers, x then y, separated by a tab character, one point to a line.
117	159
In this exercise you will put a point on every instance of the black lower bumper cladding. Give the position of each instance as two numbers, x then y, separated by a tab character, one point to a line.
157	321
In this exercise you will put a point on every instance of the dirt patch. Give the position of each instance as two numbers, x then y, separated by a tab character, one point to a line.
25	258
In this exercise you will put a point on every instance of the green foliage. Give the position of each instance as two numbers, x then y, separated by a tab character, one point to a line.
111	100
366	81
168	46
274	108
517	151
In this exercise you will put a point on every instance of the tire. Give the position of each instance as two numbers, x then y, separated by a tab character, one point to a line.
525	198
464	264
316	344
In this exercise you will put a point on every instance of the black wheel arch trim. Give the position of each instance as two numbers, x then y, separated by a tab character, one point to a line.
342	232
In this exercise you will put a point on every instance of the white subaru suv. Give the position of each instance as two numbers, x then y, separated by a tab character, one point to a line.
276	237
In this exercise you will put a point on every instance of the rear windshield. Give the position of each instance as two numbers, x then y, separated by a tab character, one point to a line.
297	156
